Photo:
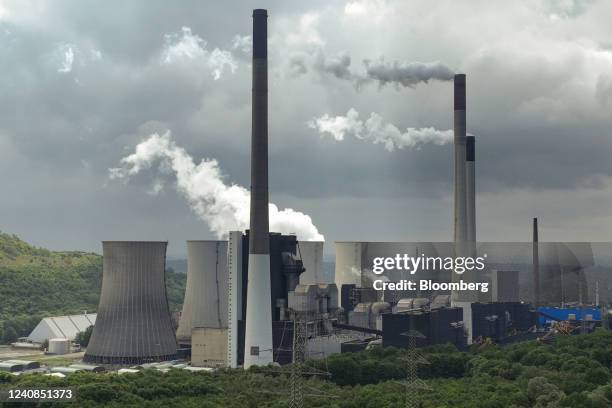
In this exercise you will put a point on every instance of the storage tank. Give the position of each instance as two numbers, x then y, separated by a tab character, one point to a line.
133	324
59	346
206	293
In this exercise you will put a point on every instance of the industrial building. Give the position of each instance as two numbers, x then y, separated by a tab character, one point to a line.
66	327
133	323
287	295
249	300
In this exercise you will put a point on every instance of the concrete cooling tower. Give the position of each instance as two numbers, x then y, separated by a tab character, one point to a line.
311	254
133	325
206	293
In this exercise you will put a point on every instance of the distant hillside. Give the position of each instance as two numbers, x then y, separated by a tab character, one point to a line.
16	253
37	282
177	264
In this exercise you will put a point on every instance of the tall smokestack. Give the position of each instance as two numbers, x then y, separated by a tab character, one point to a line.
536	265
460	156
463	299
470	188
258	333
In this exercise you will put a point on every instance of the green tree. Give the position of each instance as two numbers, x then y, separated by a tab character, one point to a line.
83	337
10	335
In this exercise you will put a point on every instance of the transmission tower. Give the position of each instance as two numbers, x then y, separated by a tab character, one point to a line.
305	325
413	359
296	379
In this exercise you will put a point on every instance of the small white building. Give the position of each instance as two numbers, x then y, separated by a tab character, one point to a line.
65	327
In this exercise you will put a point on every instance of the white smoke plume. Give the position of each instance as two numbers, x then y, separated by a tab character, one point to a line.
406	74
68	60
376	130
338	66
188	47
224	207
242	43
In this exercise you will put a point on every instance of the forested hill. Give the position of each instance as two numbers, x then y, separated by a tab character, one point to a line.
36	282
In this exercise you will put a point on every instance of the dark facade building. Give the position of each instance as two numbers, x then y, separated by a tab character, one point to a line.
438	326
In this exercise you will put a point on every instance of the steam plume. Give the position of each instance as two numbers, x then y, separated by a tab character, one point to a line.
406	74
188	47
375	130
223	207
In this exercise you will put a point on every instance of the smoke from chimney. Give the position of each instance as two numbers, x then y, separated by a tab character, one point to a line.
377	131
397	73
224	207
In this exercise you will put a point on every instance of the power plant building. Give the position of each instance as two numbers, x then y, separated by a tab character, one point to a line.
133	324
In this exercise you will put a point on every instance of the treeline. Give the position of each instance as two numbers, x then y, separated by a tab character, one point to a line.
572	372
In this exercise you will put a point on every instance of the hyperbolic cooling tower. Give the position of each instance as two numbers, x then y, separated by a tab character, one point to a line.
311	253
133	325
206	293
258	332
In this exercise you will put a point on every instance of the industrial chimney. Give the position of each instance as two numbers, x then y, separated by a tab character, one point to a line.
133	325
258	333
470	188
536	265
463	247
460	157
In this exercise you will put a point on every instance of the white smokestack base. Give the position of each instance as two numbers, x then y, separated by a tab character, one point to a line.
258	332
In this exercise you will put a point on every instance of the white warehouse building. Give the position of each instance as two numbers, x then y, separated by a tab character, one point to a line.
65	327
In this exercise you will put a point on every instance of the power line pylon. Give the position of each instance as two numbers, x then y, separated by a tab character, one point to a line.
296	379
413	359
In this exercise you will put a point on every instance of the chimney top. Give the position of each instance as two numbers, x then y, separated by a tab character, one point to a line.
460	92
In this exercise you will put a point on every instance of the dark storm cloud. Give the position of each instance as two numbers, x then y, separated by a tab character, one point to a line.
85	81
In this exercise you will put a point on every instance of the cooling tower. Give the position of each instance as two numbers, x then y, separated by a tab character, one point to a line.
258	332
133	325
349	263
206	293
311	254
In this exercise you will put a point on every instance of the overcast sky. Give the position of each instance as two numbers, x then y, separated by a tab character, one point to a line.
84	82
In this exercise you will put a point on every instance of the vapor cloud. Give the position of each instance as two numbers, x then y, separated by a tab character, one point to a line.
407	74
68	60
186	46
397	73
377	131
242	43
223	207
